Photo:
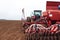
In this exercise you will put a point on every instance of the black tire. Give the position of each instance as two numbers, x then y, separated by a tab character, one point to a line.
28	19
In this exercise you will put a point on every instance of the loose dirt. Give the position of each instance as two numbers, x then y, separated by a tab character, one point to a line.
11	30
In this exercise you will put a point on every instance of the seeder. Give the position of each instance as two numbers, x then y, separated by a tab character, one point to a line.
43	23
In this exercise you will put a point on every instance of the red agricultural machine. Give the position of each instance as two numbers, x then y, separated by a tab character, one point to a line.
44	24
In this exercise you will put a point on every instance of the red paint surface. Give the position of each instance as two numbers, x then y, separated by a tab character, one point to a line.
52	5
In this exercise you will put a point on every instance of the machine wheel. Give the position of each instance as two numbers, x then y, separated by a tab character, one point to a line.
28	19
25	26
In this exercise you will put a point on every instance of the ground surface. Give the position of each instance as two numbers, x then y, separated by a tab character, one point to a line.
11	30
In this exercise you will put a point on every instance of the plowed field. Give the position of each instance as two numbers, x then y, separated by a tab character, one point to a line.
11	30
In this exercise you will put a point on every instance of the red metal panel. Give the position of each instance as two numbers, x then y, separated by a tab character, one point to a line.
55	15
52	5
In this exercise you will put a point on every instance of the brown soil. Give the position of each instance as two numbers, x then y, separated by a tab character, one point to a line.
11	30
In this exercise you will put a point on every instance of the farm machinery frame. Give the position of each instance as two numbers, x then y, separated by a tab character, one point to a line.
43	23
